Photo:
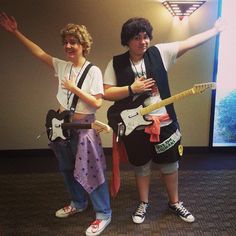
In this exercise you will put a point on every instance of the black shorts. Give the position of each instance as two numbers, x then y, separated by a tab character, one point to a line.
140	150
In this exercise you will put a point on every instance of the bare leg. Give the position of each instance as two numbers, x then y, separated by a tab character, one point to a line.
143	183
171	184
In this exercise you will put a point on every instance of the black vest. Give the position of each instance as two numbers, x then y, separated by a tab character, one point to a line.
154	69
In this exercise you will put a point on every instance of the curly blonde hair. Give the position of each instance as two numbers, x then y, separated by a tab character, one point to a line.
81	33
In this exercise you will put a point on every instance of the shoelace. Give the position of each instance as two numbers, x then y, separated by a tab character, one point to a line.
141	210
182	209
69	209
95	225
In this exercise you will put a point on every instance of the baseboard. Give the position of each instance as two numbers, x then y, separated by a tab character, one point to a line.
26	153
107	151
35	153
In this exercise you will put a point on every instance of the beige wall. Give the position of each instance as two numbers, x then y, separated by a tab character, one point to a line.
28	87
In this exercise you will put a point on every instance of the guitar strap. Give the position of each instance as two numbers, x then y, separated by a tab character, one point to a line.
79	85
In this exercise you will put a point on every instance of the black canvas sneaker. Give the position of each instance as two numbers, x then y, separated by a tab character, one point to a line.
181	211
140	213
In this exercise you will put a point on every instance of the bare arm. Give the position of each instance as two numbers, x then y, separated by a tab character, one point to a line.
113	93
10	25
201	38
93	100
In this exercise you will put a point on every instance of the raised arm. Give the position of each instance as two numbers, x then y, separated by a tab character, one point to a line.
201	38
10	25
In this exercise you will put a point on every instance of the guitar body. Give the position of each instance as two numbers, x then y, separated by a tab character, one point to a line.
128	116
54	122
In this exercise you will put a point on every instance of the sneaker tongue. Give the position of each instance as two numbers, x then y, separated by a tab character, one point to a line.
146	203
97	221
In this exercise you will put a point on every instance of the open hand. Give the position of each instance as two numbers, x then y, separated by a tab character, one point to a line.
219	25
8	23
142	84
68	83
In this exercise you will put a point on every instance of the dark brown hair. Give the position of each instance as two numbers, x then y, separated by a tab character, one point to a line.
133	27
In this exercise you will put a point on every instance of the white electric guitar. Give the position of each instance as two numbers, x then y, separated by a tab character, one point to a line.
133	118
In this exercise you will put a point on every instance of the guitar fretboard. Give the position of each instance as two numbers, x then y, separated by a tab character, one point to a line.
145	110
75	126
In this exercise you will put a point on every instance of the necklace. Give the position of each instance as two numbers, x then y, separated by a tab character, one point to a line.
77	76
138	73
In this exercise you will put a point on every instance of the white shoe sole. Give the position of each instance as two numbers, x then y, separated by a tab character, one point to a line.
138	221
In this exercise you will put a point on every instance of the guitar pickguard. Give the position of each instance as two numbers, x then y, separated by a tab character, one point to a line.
57	131
133	119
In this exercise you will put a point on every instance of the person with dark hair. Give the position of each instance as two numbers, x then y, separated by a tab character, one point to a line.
139	77
81	159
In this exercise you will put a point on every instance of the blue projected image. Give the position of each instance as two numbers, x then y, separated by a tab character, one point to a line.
224	123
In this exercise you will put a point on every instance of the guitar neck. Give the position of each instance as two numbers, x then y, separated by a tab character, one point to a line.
146	110
76	126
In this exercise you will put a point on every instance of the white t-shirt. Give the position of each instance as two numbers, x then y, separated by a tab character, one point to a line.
93	84
168	53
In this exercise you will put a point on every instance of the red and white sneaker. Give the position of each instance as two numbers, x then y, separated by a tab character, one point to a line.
67	211
97	227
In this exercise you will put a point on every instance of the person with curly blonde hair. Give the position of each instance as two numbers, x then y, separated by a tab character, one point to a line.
81	159
81	34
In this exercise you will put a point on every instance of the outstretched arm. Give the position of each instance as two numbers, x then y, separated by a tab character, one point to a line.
10	25
199	39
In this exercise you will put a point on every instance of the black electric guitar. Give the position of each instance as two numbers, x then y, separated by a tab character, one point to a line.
58	125
132	118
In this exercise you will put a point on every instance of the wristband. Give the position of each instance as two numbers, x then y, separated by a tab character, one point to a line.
131	93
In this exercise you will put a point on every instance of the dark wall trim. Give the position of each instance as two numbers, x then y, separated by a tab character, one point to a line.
34	152
108	151
26	153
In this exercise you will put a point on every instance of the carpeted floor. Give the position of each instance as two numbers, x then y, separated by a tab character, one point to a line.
28	202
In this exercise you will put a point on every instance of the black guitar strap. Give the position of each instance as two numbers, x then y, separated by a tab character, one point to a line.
79	85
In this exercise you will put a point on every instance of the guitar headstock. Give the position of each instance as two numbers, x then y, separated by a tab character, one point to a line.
199	88
99	126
